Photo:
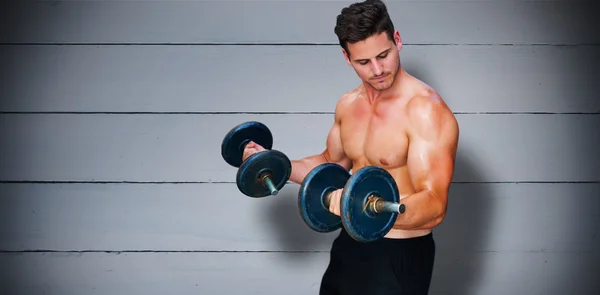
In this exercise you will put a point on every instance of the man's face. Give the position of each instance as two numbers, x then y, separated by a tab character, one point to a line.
376	60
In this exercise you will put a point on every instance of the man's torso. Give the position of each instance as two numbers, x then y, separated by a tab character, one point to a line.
379	134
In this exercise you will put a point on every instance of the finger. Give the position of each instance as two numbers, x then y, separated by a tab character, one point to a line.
248	152
334	204
334	210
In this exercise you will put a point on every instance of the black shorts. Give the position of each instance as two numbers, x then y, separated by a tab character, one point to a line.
386	266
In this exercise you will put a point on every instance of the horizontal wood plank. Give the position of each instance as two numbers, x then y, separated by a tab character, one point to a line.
162	273
187	148
462	22
476	79
289	273
217	217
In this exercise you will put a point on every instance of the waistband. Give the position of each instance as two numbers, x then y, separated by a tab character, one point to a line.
392	241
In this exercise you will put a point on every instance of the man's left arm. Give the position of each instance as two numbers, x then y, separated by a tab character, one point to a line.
431	157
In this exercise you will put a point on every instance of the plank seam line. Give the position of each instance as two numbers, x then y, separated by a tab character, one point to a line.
288	183
262	113
277	44
247	251
159	251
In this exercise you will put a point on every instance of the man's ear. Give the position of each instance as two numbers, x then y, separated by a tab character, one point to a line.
398	40
346	56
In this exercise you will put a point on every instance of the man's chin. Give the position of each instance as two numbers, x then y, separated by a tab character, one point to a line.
381	86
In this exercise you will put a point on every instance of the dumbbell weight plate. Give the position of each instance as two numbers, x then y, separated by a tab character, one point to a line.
359	222
273	162
235	140
318	182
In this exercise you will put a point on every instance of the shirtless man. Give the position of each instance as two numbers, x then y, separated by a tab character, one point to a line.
397	122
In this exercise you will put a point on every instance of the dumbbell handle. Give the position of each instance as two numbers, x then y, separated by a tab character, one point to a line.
378	205
374	204
265	179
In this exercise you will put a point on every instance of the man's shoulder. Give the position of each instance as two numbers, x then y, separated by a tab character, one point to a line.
427	103
347	98
351	95
427	111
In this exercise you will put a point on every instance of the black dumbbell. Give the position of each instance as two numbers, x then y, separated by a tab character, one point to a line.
369	203
263	173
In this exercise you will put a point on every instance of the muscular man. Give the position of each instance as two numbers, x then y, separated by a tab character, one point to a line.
397	122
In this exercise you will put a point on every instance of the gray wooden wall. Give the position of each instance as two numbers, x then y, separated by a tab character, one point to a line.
112	115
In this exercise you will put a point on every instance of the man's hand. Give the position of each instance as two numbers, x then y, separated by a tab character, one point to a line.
334	202
250	149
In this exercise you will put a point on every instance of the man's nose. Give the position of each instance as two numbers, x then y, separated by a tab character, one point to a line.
377	68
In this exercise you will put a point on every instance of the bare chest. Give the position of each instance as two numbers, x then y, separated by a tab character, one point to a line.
375	139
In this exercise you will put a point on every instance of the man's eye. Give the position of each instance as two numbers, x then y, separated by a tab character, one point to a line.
383	56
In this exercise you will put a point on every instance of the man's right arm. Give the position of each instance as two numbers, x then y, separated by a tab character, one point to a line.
333	153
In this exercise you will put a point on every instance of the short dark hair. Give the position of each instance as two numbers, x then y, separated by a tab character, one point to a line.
361	20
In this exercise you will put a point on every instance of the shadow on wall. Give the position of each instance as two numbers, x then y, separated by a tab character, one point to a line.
460	239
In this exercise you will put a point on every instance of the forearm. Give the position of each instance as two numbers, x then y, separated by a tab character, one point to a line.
301	167
423	211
